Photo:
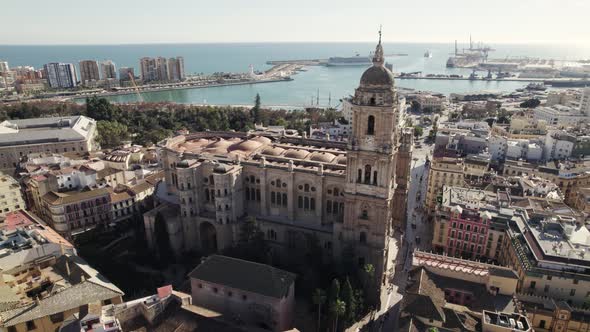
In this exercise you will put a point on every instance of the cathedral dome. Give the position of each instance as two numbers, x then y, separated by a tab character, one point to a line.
377	75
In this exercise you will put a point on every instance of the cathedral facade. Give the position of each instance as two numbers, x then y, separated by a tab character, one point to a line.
343	195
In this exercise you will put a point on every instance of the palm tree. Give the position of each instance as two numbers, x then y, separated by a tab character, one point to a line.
318	298
338	309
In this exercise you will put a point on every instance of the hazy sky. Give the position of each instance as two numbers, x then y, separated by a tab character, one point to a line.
171	21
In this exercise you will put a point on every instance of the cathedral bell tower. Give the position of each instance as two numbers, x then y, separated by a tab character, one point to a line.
371	166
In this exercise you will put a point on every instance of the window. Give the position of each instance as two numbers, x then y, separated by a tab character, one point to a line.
546	289
375	178
215	290
244	297
31	325
363	237
365	214
371	124
12	329
549	277
542	324
359	176
200	285
59	317
230	294
572	292
533	284
575	281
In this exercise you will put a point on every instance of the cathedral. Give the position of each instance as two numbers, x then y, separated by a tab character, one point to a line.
345	195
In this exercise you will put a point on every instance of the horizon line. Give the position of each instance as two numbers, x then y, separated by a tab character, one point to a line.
290	42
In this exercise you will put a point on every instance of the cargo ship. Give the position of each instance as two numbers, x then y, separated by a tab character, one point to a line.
357	60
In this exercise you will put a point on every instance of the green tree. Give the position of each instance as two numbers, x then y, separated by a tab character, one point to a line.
530	103
111	133
255	111
100	109
349	298
338	309
369	275
418	131
334	293
319	298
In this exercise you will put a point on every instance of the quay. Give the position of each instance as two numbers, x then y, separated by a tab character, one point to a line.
557	82
312	62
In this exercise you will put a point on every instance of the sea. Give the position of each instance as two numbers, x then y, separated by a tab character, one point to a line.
326	84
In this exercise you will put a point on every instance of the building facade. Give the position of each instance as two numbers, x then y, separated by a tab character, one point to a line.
108	71
89	71
176	69
19	138
217	285
11	198
344	195
470	223
61	75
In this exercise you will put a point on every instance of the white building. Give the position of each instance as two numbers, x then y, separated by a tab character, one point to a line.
497	146
524	149
558	145
4	67
11	198
108	70
560	115
585	102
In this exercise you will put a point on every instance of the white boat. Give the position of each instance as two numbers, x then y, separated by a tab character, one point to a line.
427	54
357	60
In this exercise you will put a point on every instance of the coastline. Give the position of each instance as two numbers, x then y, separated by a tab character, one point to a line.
171	88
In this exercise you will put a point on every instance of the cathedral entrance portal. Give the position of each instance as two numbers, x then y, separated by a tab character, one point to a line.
208	238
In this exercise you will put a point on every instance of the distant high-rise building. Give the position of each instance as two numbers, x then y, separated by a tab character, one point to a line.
176	69
89	71
162	68
585	102
148	69
4	67
125	73
61	75
108	70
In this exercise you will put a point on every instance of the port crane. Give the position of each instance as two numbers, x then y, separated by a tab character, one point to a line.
132	78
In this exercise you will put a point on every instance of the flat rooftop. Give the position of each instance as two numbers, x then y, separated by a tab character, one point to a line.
45	130
562	241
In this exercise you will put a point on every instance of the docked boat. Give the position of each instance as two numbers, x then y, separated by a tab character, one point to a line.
356	60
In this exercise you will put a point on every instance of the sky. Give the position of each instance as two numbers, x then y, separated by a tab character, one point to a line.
193	21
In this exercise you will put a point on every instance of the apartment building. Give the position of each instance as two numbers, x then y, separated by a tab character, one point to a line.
470	223
11	198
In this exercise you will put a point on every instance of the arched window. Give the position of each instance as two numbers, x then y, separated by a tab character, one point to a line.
367	174
359	176
363	237
372	101
375	177
371	125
